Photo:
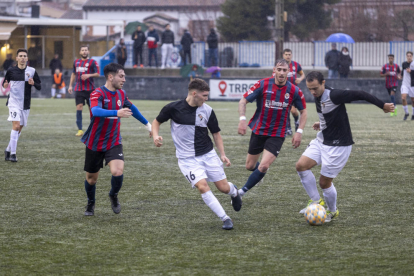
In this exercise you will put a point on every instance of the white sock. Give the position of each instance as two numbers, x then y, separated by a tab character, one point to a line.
309	183
241	192
405	109
413	110
14	136
233	190
330	196
59	96
8	146
212	202
53	92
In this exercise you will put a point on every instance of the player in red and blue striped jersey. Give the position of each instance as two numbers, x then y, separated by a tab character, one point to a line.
84	70
109	104
274	99
392	73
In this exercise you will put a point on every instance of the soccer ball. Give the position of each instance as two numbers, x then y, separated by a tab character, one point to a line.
315	214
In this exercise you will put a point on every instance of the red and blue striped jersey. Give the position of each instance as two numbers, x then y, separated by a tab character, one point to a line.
273	106
294	69
81	67
391	80
104	132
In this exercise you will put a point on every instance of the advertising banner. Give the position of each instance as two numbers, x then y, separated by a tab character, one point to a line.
222	89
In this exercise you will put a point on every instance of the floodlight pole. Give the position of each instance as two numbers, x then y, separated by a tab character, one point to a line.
279	28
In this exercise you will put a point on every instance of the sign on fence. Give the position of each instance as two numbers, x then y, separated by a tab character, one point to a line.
222	89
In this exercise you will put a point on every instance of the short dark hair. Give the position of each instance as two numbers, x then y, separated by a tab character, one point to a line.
287	51
168	24
21	50
315	75
409	52
391	55
112	68
199	85
83	46
281	61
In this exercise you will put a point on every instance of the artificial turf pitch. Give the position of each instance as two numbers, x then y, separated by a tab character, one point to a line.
166	229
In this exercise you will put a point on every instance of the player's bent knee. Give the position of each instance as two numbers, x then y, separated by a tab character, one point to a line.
117	172
300	167
202	186
263	167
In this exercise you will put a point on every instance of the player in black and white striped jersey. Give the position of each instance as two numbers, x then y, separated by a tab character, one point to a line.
407	86
20	79
191	120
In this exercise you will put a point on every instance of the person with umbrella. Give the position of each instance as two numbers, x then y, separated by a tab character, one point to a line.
332	62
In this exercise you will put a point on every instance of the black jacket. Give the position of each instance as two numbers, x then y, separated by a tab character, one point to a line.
139	38
55	64
212	40
167	37
332	59
186	41
345	61
121	51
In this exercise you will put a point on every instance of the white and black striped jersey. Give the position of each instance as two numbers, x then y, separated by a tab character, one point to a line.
189	127
20	89
408	78
334	123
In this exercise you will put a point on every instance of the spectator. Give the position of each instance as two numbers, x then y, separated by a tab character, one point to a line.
186	42
139	39
345	61
121	52
7	63
152	38
193	73
167	45
212	41
32	52
55	63
332	62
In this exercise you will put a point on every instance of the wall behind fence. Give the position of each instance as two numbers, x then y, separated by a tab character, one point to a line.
156	88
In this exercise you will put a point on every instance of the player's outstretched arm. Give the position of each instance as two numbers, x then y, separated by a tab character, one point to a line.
218	140
137	115
242	113
297	138
347	96
155	130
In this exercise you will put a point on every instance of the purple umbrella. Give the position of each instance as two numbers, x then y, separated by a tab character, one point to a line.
213	69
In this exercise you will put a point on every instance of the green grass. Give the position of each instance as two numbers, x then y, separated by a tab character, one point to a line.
166	229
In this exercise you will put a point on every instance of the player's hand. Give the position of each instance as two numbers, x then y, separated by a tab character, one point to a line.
70	90
297	81
408	70
316	126
124	113
297	138
85	76
31	81
242	127
5	84
388	107
226	160
150	134
157	141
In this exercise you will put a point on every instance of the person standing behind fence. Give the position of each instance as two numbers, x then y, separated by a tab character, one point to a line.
139	39
345	62
212	41
121	52
167	38
186	42
391	72
152	40
8	63
332	62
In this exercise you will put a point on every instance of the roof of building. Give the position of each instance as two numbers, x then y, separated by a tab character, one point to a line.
162	16
73	14
90	4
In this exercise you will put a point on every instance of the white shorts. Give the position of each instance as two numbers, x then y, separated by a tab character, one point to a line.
61	90
207	166
407	90
333	159
19	115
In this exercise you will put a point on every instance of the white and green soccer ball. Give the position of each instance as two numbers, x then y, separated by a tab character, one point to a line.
315	214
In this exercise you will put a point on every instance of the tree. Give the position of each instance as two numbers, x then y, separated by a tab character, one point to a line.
307	16
404	23
245	20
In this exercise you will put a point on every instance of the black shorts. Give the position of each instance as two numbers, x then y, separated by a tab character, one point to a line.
94	159
82	96
394	89
260	142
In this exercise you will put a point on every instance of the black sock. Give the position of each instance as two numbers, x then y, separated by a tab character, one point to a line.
79	119
253	179
255	168
90	191
116	183
296	118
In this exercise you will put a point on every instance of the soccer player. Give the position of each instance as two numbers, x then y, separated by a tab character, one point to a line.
407	86
20	79
391	72
109	104
333	143
294	70
58	84
274	98
191	119
84	70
